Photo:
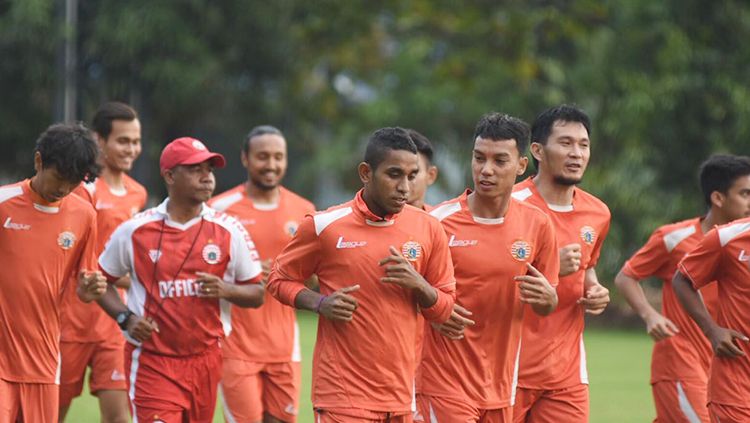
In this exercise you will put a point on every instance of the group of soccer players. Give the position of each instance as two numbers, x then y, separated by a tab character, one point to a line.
469	311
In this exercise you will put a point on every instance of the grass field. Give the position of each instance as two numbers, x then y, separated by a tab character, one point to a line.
618	372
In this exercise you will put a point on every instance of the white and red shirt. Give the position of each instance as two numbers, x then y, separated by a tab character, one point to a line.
163	257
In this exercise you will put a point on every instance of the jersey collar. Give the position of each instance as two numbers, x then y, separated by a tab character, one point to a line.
371	218
40	203
162	210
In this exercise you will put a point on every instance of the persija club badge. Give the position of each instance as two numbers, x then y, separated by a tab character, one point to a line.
211	254
291	227
66	240
520	250
411	250
588	235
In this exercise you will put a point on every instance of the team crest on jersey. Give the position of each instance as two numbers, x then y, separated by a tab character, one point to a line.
520	250
66	240
411	250
291	227
211	253
588	234
154	255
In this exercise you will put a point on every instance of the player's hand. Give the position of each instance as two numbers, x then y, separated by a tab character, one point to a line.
91	285
570	259
266	266
595	300
536	289
722	341
454	327
659	327
140	328
212	286
339	306
399	271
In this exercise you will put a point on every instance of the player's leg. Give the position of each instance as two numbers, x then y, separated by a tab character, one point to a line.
39	402
500	415
679	401
74	358
204	372
107	382
281	384
241	388
353	415
724	413
570	405
10	401
155	388
432	409
525	400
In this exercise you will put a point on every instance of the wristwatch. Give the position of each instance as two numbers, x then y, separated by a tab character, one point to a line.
122	319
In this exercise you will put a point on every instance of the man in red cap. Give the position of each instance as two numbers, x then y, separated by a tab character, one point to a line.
187	262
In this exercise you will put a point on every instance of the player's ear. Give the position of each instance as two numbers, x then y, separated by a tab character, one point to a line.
717	199
537	150
243	158
37	161
523	162
432	174
168	175
365	172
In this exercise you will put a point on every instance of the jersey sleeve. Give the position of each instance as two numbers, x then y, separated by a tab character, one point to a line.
116	258
547	259
295	264
702	264
598	245
86	191
88	260
246	262
439	273
649	259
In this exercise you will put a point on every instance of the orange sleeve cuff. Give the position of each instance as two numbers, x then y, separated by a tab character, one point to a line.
441	310
285	291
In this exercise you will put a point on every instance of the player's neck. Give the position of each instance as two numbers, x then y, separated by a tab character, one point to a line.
486	207
553	192
713	218
419	203
261	196
183	212
115	179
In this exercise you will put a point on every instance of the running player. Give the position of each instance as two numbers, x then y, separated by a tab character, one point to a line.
185	262
428	172
469	375
89	337
552	379
377	259
682	355
261	378
46	235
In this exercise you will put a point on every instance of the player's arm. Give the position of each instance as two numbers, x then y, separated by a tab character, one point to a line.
722	339
657	326
139	328
90	283
246	295
536	291
399	271
595	295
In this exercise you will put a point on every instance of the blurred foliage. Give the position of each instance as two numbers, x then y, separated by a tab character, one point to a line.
666	84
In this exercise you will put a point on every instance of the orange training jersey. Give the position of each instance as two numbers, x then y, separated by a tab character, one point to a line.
269	334
481	369
367	363
687	355
724	256
163	257
83	322
41	244
553	356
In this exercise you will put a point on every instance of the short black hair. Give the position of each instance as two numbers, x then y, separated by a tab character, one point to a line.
499	126
385	139
719	172
543	124
423	144
108	112
69	148
258	131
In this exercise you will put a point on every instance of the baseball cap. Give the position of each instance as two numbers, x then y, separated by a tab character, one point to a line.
188	151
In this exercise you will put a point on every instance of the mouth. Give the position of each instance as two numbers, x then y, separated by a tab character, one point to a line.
401	201
486	184
573	167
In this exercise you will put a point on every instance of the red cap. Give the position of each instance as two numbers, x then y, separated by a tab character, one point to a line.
188	151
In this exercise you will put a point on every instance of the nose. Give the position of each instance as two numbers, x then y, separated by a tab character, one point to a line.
403	185
575	151
487	168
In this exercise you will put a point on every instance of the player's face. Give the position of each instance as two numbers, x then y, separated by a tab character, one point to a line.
495	165
566	154
422	181
266	161
388	186
736	202
191	183
123	146
48	182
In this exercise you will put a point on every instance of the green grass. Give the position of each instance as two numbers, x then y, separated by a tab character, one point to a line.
618	370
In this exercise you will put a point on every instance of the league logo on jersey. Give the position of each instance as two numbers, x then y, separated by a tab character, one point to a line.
66	240
411	250
291	227
520	250
211	253
588	234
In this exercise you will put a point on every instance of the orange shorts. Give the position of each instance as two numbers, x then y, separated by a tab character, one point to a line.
356	415
249	389
106	360
569	405
680	401
28	402
440	409
721	413
173	389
